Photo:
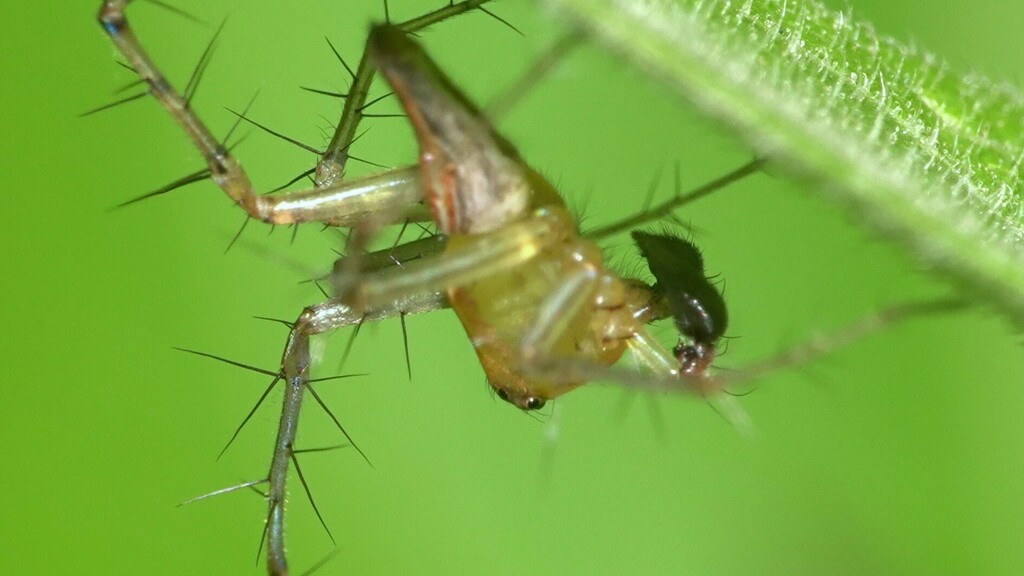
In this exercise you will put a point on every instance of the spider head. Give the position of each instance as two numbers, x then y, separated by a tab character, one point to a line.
520	400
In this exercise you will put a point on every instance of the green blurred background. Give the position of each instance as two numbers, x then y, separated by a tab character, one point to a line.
899	455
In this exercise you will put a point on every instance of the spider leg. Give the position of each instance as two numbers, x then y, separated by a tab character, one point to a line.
333	202
332	164
657	370
295	368
823	344
466	259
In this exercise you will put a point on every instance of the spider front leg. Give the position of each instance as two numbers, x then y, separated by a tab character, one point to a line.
341	204
617	311
658	370
333	202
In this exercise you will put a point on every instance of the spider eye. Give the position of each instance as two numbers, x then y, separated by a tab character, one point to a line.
534	403
502	394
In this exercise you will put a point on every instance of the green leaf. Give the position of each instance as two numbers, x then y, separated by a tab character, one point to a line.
928	157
